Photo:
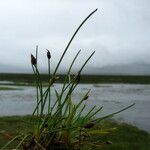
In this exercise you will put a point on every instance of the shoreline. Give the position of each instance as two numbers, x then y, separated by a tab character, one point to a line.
112	97
29	78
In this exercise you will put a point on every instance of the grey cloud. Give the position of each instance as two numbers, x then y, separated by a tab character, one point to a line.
119	31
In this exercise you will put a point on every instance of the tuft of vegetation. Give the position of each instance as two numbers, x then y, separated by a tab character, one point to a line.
124	137
61	124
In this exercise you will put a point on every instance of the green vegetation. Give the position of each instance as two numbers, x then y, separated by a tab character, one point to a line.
28	79
125	137
7	88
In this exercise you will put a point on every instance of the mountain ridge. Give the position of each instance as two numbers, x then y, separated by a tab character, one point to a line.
128	69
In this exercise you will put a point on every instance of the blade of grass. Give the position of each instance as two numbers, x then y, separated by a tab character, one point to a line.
73	38
21	142
16	137
112	114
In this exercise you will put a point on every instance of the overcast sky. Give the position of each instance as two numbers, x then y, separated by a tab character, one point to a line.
119	31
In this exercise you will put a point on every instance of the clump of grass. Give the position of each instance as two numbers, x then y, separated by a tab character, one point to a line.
120	138
62	124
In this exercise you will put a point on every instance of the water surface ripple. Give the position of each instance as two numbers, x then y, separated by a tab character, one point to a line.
111	96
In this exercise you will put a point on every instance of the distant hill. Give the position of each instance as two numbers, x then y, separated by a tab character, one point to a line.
131	69
12	69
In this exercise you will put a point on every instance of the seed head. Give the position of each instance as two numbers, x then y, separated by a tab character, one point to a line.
48	54
53	79
86	97
78	78
89	125
109	142
8	136
33	60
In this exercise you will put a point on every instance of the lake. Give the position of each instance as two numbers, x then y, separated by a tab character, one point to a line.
112	97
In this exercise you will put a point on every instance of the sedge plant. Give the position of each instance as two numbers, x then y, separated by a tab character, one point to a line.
61	124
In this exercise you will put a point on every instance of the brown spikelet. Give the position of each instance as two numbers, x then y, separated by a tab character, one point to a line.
89	125
86	97
33	60
78	78
48	54
53	79
109	142
8	136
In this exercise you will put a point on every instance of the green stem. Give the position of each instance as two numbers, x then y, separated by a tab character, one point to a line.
49	94
37	92
41	89
73	38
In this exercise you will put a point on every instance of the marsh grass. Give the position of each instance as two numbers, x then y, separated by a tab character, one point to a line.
8	88
62	124
22	79
120	138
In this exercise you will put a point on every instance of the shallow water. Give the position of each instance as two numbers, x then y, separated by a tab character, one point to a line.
112	97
